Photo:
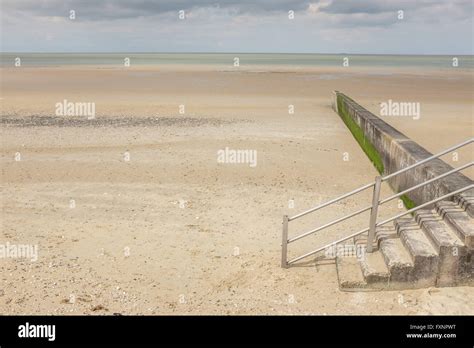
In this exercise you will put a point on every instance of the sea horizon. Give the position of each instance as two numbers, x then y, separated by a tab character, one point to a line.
38	59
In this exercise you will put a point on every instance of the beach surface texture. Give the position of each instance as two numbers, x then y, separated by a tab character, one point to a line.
148	207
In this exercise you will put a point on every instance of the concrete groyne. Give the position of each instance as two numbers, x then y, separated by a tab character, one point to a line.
390	151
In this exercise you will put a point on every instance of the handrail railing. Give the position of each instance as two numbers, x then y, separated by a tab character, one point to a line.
360	189
376	202
380	224
468	187
439	154
401	193
389	176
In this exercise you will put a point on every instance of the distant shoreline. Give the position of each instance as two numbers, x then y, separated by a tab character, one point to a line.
257	53
238	60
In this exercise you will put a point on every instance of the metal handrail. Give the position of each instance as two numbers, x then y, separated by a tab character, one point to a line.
439	154
381	223
384	178
327	245
330	224
374	207
337	199
468	187
467	165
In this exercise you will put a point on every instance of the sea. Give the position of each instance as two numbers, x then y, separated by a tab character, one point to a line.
230	59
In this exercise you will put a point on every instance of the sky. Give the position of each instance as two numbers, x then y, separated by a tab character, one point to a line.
318	26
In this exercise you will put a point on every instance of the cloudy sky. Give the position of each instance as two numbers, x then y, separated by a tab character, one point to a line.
325	26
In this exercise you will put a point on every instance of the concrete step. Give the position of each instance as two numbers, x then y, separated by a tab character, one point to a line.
397	259
349	273
373	268
466	201
459	220
451	250
350	277
384	232
439	233
423	255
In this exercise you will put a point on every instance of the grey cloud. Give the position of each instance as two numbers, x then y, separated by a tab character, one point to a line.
382	6
320	25
120	9
379	13
363	6
106	10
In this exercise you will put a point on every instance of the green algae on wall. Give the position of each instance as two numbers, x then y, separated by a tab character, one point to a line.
359	135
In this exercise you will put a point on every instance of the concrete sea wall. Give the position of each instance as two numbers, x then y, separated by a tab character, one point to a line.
390	151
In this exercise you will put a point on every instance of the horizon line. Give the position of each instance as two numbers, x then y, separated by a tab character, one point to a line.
213	52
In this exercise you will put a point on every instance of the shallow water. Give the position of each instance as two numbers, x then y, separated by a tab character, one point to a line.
227	59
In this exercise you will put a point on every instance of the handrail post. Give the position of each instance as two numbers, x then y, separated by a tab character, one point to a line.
284	242
373	213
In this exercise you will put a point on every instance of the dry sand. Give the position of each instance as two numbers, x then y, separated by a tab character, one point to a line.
171	230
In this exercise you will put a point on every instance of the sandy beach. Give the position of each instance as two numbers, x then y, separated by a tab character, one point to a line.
133	213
